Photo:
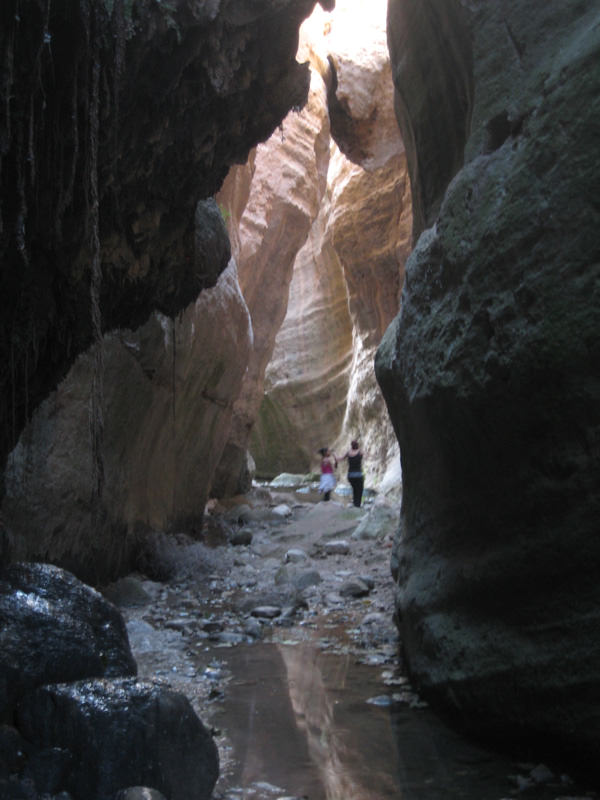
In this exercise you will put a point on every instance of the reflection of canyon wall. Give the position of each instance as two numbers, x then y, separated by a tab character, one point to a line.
169	394
346	753
491	369
346	271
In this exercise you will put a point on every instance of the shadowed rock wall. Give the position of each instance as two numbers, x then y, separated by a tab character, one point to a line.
117	118
490	371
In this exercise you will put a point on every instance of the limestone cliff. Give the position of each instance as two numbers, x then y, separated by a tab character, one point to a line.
490	371
346	271
116	119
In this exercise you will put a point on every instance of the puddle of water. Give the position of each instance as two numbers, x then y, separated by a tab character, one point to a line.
301	726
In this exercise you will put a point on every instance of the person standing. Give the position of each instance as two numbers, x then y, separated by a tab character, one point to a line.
328	480
356	479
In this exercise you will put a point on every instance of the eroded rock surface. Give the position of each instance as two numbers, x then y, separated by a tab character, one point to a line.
490	370
346	271
169	393
117	119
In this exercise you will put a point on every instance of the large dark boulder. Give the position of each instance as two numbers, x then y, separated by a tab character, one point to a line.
120	734
116	119
55	628
491	370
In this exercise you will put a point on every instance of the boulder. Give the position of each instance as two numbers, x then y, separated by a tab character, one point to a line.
139	793
55	628
287	481
380	522
490	371
122	733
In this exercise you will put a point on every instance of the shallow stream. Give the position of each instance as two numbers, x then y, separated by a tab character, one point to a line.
313	705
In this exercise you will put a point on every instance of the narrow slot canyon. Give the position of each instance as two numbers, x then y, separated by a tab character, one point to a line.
234	233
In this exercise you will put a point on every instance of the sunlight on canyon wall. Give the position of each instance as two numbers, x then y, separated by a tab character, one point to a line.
340	248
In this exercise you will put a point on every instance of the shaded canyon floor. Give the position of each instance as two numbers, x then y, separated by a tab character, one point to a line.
278	627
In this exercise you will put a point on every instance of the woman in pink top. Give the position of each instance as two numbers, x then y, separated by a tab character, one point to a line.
328	480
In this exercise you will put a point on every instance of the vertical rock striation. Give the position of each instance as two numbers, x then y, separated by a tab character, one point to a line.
490	371
273	204
319	384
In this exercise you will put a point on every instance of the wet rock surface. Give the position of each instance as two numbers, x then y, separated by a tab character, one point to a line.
76	723
102	735
55	628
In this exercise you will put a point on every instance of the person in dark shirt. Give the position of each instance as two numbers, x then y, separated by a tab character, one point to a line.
356	478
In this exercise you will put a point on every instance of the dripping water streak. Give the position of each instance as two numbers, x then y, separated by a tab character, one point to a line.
173	416
96	399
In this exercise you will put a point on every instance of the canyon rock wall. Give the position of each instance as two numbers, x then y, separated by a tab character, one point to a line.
169	393
346	272
117	118
271	203
490	371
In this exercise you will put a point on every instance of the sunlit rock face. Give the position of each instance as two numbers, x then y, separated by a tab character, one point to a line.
271	203
118	117
490	371
345	275
169	394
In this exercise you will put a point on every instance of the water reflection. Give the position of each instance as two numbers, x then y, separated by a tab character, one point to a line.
299	720
348	742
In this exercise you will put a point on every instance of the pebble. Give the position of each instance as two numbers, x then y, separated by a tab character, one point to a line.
228	637
240	538
541	774
337	547
306	579
253	628
267	787
182	625
374	618
354	588
282	511
368	580
139	793
295	554
267	612
382	700
211	625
